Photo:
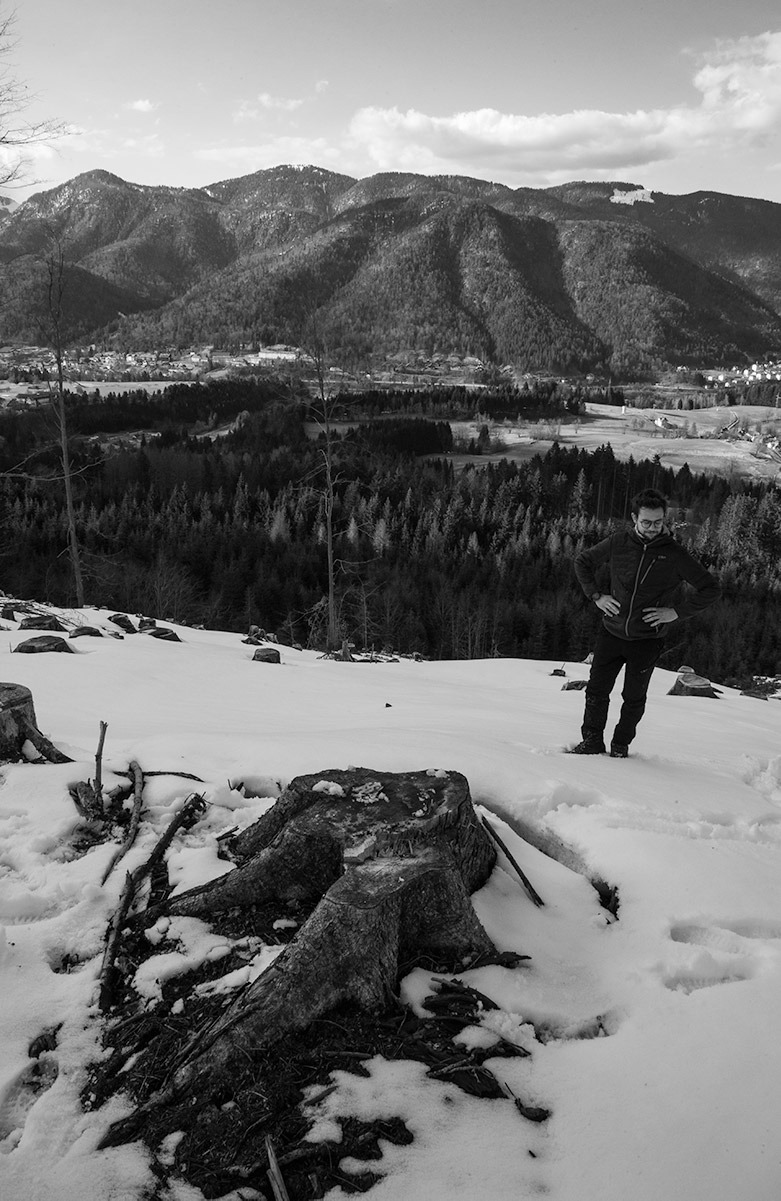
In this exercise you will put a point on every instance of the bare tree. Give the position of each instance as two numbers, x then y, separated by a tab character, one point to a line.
56	279
323	412
15	132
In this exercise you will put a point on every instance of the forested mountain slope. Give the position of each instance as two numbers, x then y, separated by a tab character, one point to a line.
559	279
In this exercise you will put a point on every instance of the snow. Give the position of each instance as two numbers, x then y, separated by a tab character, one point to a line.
637	195
653	1038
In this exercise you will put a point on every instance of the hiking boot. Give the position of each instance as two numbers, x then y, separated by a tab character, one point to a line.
591	745
617	751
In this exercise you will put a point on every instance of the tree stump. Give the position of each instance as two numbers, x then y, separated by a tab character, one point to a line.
266	654
42	621
42	645
689	684
18	724
17	713
123	621
388	860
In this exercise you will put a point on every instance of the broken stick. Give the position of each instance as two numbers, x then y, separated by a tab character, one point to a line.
135	820
535	896
133	881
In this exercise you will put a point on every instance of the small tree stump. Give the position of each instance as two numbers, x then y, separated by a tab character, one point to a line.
163	633
123	621
266	654
42	621
388	860
17	713
18	724
44	644
689	684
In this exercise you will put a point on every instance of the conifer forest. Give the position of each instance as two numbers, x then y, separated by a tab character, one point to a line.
216	504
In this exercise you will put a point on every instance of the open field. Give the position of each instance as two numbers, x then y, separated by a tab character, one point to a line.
609	424
629	431
9	391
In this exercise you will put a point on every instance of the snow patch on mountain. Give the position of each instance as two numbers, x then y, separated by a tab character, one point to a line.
642	195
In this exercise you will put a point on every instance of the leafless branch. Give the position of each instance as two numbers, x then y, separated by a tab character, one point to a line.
15	132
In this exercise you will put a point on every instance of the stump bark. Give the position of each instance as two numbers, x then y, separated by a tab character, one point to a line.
42	621
18	724
689	684
42	645
387	860
267	654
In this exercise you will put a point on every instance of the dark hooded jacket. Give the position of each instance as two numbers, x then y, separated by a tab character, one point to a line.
645	575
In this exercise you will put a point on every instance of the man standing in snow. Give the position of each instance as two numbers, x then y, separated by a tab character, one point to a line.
646	566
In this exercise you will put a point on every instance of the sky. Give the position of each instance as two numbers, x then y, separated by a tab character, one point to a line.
653	1038
676	98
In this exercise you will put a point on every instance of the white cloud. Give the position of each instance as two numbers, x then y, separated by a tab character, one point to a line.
321	86
740	103
265	102
140	106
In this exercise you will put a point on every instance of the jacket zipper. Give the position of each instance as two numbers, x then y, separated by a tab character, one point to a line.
638	582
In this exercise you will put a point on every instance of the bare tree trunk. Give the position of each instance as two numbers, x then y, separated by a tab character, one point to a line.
56	290
333	623
317	351
73	542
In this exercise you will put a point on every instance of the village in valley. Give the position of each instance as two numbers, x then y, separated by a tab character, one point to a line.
701	416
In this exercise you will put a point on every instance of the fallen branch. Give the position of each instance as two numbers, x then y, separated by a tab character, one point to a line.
42	744
184	775
133	881
135	820
535	896
274	1173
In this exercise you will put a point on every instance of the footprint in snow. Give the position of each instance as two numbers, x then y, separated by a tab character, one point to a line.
725	936
765	776
726	956
19	1097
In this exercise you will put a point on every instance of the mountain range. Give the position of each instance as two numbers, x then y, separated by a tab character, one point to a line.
583	276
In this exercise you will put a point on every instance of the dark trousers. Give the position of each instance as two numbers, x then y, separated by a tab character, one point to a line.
638	657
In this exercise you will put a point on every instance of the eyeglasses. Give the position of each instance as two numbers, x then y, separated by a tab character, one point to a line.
651	525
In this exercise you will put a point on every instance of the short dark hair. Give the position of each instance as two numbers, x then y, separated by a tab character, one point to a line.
648	499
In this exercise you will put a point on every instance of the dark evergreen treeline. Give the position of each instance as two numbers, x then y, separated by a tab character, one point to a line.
180	405
232	532
186	406
766	393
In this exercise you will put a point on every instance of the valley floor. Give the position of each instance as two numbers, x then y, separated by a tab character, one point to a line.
604	424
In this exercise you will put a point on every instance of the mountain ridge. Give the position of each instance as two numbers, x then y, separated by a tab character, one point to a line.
403	262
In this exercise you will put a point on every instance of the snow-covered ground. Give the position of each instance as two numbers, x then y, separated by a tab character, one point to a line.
662	1058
